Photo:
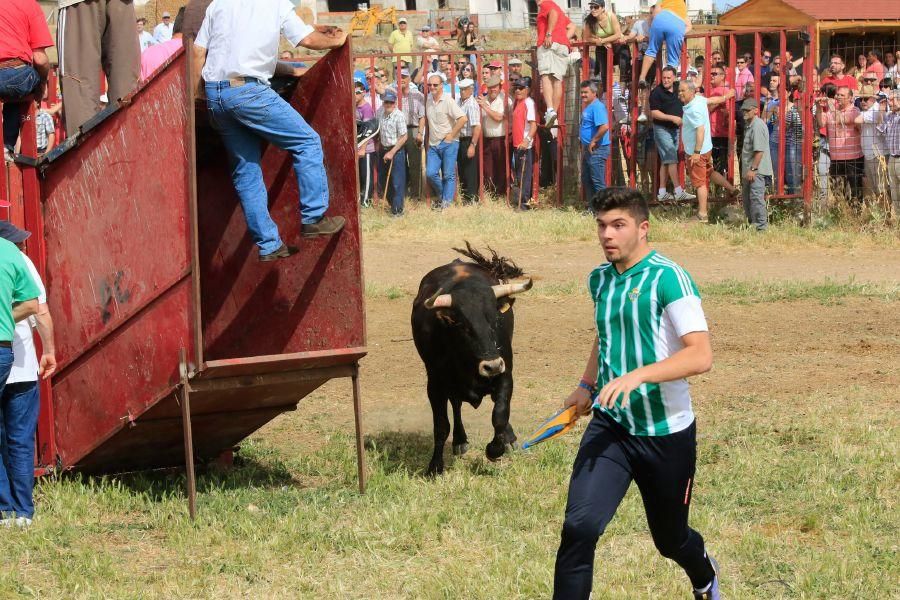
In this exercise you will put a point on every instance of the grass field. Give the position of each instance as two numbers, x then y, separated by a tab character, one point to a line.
797	486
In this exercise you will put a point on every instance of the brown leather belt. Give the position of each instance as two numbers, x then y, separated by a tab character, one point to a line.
12	62
5	344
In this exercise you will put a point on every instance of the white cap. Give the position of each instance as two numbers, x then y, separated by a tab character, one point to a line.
402	20
464	83
166	14
436	74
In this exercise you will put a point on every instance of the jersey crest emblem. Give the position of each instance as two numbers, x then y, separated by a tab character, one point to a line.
633	294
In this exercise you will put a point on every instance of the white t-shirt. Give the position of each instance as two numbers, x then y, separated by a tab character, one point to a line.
241	37
146	39
163	33
25	361
873	143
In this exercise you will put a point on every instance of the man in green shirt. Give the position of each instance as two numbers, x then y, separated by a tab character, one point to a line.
18	300
651	336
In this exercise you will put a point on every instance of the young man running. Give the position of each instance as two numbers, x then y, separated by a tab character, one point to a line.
651	335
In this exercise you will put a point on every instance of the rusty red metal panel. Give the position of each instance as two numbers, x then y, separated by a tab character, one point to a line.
313	300
115	218
121	378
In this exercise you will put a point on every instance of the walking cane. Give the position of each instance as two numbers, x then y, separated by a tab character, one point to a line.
387	180
521	177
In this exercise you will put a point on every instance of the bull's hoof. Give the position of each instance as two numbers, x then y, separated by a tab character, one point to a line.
495	449
460	449
434	469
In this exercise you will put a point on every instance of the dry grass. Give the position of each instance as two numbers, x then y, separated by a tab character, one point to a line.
494	222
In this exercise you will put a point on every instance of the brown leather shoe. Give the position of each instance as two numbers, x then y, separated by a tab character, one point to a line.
283	252
327	226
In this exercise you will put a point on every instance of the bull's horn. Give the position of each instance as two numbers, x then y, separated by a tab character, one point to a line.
439	300
511	289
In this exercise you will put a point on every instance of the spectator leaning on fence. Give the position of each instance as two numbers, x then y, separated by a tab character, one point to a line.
696	135
552	55
392	133
872	140
844	142
524	129
756	165
153	58
601	27
719	117
469	138
666	110
669	25
891	130
445	120
594	137
494	135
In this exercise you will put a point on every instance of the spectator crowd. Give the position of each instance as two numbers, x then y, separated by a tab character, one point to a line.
851	121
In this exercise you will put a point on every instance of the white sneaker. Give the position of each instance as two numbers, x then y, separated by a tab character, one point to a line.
22	522
549	118
9	522
642	118
685	196
667	197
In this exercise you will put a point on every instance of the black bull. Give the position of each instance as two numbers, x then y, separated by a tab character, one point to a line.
462	324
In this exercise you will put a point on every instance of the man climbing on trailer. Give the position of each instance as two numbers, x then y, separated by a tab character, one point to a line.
235	53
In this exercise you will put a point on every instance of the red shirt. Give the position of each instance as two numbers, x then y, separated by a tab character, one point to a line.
523	112
718	114
23	28
845	81
558	34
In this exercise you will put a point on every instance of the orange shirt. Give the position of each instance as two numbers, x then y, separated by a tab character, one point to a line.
679	7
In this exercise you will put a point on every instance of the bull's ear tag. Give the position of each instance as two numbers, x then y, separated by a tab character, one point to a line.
505	307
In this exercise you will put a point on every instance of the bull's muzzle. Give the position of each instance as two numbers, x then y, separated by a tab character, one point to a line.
491	368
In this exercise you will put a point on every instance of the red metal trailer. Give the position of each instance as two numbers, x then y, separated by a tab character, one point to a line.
164	315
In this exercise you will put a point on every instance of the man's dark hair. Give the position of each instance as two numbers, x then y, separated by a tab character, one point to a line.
672	69
828	90
876	52
179	19
621	198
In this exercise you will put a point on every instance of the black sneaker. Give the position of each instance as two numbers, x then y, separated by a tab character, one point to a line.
712	592
283	252
326	226
642	84
365	131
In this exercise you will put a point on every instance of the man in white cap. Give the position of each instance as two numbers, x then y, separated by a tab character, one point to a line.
469	138
401	40
164	30
427	41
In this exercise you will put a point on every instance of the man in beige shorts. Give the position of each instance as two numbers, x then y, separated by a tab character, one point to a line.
552	55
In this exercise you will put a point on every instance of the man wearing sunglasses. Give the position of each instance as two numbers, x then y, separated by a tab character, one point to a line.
837	76
445	120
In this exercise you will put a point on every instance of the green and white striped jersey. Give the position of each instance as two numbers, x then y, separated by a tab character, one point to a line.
641	315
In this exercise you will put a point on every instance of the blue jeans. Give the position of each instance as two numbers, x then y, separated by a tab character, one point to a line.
593	168
244	116
441	170
15	84
398	179
19	406
669	28
792	167
666	144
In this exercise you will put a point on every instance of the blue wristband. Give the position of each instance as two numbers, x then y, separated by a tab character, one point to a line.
586	386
